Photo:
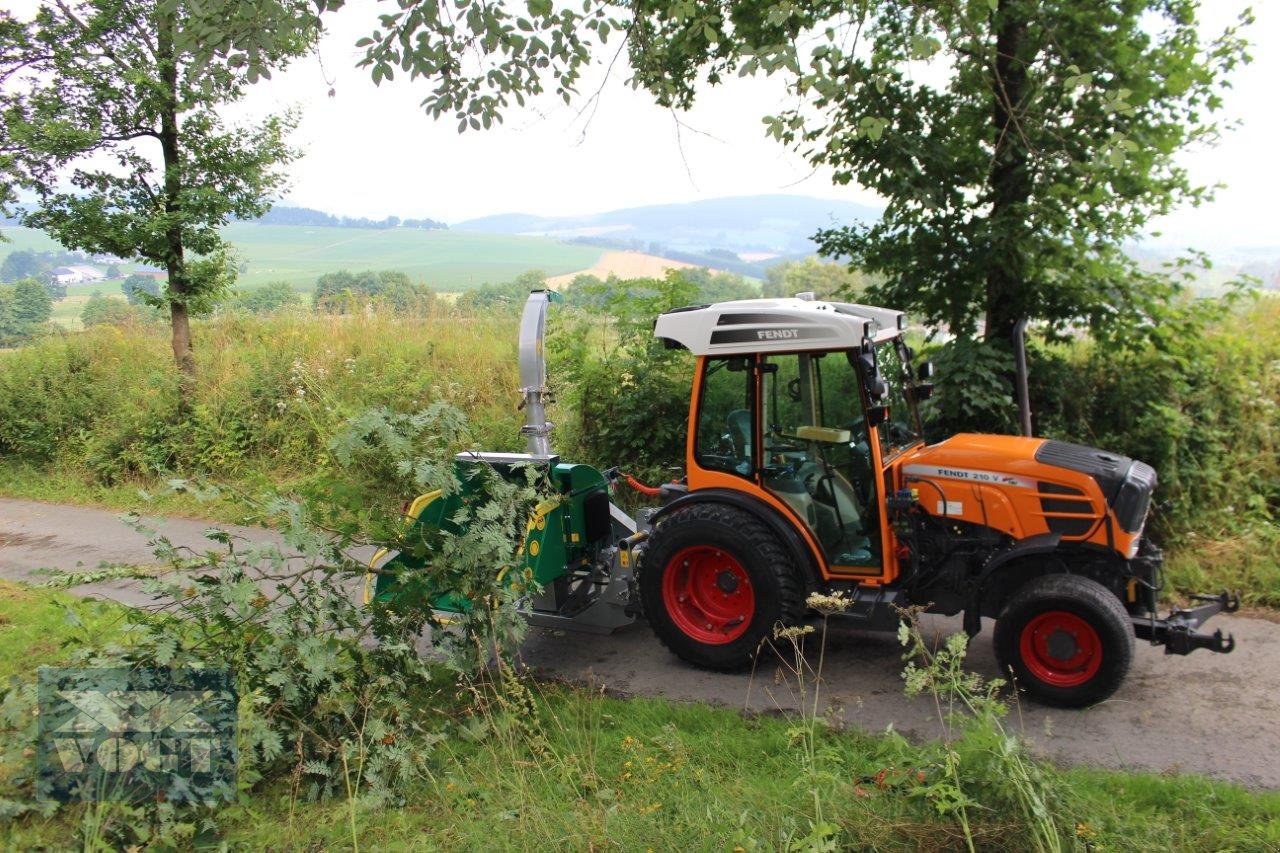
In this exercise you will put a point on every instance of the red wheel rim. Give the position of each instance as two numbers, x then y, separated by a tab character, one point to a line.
1061	649
708	594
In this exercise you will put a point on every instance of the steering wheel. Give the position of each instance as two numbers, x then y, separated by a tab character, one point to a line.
718	462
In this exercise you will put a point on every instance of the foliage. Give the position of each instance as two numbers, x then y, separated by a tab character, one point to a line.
628	393
983	766
334	695
10	329
1202	408
636	769
509	296
99	411
270	297
629	298
980	162
102	310
972	389
981	158
825	279
25	263
21	264
275	390
25	308
343	292
103	82
31	303
140	288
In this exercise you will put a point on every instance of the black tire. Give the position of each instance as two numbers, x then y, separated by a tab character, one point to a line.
1048	610
775	582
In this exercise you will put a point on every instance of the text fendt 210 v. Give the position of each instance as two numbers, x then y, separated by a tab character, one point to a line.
805	471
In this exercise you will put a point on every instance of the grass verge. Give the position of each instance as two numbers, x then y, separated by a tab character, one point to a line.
583	771
143	495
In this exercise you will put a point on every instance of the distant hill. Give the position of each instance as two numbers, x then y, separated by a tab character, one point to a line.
288	215
773	224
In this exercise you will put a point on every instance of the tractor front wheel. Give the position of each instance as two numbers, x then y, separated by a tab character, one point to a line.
714	581
1066	639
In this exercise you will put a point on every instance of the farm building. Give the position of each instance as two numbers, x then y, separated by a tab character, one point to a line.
77	274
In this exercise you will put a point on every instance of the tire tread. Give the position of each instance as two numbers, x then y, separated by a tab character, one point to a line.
757	538
1081	591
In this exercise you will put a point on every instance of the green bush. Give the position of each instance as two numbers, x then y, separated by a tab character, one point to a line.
25	308
1201	409
272	296
108	311
343	292
627	394
139	288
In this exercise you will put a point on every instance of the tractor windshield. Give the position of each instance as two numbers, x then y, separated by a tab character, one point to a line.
902	428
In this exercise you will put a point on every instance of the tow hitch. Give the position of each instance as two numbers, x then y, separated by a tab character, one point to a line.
1177	631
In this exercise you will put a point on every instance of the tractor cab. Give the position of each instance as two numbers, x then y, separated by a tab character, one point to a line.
801	404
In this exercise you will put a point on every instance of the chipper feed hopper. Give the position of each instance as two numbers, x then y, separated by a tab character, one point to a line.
806	471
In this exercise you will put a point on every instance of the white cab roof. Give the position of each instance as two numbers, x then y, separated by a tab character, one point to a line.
777	325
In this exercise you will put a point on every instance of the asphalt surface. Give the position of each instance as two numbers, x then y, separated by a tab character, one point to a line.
1205	713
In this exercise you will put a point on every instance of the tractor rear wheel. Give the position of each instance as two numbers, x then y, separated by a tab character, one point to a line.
1066	639
714	581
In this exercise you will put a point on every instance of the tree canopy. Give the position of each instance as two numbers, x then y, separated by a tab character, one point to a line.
825	279
343	291
1018	143
140	288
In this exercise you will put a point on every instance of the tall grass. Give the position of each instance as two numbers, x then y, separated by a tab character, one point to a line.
271	392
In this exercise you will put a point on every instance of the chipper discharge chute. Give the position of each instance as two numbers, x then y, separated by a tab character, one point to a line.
806	471
575	542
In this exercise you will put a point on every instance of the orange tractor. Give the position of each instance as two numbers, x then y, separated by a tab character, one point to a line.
806	471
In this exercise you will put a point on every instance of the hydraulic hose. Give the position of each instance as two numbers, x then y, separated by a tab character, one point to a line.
651	491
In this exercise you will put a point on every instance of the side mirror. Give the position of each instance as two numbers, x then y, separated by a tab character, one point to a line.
877	415
873	382
925	371
922	391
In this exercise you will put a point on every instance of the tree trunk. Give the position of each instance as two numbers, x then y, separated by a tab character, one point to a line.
1009	182
175	248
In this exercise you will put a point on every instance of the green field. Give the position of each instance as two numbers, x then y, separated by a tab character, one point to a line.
444	260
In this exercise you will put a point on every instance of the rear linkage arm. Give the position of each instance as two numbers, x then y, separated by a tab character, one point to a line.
1177	631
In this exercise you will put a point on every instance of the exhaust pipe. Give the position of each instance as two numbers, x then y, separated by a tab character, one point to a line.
1020	365
533	372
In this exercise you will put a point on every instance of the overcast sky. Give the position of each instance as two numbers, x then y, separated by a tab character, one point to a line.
371	151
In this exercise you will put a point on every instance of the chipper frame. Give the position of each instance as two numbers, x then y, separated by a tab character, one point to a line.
805	471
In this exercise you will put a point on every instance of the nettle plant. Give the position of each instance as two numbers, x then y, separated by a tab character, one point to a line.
341	698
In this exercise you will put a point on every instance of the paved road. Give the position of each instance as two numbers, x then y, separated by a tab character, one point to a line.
1211	714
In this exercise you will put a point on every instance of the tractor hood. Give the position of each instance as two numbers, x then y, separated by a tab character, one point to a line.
1052	470
996	460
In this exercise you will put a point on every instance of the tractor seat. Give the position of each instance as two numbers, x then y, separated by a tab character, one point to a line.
739	424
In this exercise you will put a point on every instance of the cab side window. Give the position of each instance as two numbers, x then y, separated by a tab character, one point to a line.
723	440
